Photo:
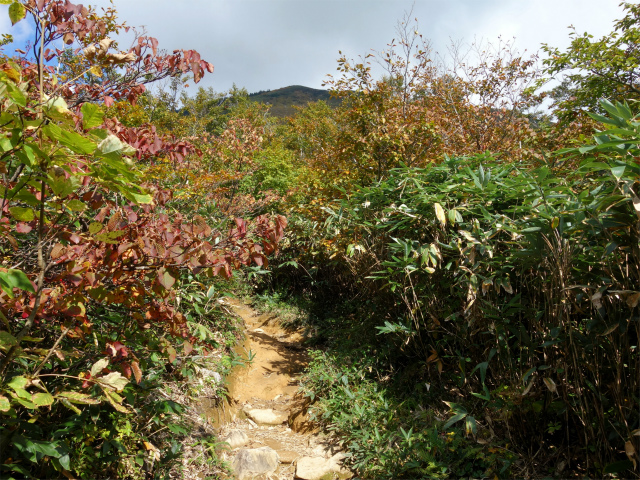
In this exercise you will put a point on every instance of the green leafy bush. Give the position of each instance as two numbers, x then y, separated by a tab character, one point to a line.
275	171
384	435
510	292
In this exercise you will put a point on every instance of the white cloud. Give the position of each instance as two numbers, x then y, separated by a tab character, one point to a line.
267	44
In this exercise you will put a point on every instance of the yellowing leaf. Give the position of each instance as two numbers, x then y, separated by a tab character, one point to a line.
551	385
96	70
26	403
7	340
42	399
16	12
155	451
22	214
110	144
99	366
92	115
10	72
440	214
18	382
70	406
75	205
114	380
77	397
114	403
57	105
165	278
95	227
150	446
5	405
110	237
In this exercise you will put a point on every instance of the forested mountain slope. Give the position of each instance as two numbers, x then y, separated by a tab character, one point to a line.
283	100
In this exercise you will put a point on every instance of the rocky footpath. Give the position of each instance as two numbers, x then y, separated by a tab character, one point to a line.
267	428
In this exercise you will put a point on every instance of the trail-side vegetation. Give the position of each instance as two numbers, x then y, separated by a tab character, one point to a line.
464	257
468	263
111	252
501	297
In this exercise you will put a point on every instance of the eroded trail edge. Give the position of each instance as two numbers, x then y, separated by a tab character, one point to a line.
265	421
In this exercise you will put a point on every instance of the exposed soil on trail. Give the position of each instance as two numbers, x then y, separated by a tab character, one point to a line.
264	421
279	358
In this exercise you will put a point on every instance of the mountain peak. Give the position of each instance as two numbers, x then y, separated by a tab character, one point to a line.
283	100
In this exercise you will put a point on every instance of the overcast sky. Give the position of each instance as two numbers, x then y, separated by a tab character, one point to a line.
268	44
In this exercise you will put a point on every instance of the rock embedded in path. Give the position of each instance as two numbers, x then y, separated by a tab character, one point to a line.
249	463
313	468
319	468
236	438
336	465
288	456
272	443
266	416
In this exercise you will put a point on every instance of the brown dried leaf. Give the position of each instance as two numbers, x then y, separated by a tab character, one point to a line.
632	299
551	385
57	251
114	221
630	450
135	366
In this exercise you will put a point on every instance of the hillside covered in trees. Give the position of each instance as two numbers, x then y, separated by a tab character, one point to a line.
457	240
283	101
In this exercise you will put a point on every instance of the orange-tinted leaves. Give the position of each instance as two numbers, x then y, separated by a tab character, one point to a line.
171	352
135	366
57	251
126	369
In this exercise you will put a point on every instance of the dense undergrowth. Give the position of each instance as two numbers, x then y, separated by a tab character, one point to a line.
500	298
466	266
112	263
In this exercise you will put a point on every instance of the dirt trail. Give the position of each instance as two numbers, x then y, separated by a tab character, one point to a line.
265	423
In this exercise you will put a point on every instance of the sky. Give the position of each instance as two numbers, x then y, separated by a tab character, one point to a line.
269	44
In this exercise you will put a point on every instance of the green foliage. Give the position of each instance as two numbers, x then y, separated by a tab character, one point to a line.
132	431
283	101
384	435
275	171
511	285
595	69
93	328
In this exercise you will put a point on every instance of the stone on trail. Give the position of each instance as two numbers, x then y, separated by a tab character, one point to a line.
266	416
319	468
236	438
336	465
321	451
256	461
313	468
205	373
288	456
